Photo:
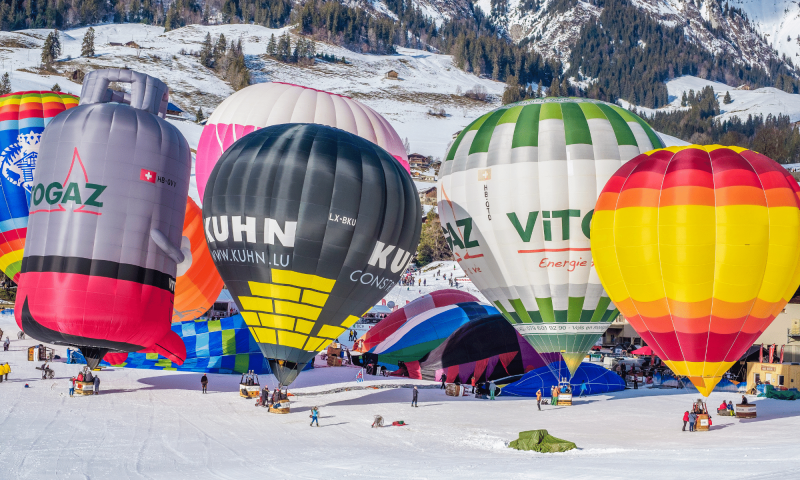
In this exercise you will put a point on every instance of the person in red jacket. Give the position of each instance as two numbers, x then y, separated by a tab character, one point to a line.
685	420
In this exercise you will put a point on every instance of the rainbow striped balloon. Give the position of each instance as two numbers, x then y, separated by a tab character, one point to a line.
23	116
699	248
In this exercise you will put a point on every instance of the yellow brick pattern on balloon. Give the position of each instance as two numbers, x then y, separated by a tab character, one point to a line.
285	311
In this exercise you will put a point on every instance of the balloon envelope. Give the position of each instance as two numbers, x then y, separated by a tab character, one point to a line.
265	104
516	196
23	117
104	233
426	331
309	226
198	288
419	305
699	247
488	348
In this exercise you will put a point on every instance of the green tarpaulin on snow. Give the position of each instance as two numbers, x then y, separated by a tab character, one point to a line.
541	441
771	392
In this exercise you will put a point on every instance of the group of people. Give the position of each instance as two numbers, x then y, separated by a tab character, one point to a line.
85	376
726	408
264	399
353	336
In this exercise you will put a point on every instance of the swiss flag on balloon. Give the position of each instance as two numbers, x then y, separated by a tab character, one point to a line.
148	176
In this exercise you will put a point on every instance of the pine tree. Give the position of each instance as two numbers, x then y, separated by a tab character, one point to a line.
539	90
199	117
87	48
554	90
727	100
684	100
56	45
5	84
47	51
55	88
207	52
272	46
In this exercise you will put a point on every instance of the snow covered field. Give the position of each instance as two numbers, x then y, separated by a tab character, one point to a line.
157	425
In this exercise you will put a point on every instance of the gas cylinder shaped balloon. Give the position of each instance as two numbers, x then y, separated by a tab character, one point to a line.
265	104
23	117
106	219
309	227
198	284
516	196
699	247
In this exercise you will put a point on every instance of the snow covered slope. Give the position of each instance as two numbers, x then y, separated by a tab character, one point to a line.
778	20
426	80
554	28
762	101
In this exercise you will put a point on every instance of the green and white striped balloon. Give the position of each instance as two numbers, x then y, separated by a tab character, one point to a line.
516	195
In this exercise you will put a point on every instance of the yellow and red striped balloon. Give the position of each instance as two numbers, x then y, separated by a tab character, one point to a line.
699	248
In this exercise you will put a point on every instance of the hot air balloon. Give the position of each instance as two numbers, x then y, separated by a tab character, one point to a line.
396	319
23	116
698	247
197	287
309	226
426	331
265	104
106	215
516	196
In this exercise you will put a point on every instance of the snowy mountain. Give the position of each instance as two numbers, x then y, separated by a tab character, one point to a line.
552	27
426	80
777	20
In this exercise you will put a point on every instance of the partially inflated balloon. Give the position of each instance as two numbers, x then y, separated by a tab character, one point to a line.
699	247
396	319
197	288
265	104
516	196
309	226
23	116
104	235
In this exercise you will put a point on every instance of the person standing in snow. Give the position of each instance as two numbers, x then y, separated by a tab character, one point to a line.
96	382
692	420
414	396
583	389
204	382
539	399
443	379
314	416
492	388
72	388
685	420
425	282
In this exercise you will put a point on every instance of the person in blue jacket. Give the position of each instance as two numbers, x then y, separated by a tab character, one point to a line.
314	416
583	388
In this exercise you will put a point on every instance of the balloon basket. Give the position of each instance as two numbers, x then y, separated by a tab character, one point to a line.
84	388
746	410
249	391
453	390
565	399
282	407
703	423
